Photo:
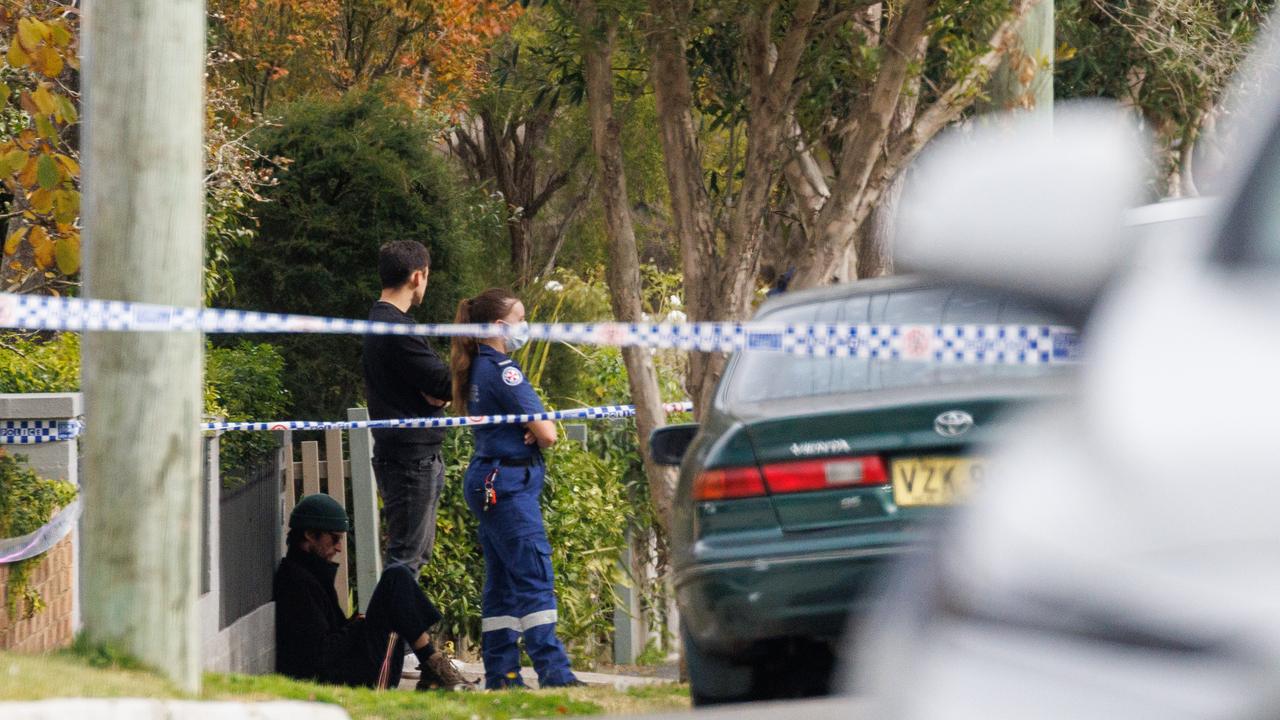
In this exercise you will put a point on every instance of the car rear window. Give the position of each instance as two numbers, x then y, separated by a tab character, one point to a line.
762	376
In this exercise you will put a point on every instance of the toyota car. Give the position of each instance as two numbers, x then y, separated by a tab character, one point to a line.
808	475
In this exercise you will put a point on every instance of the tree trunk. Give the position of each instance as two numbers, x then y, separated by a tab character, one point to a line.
690	204
623	270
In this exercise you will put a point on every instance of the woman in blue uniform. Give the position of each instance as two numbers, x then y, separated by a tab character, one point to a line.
502	487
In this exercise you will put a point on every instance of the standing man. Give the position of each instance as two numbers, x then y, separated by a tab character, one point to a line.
405	378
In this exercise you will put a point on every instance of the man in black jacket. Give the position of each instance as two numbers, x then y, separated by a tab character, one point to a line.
405	378
316	641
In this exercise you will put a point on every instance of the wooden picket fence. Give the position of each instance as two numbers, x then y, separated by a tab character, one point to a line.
330	476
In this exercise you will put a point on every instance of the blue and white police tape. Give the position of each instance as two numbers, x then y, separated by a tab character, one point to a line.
42	540
604	412
946	343
34	432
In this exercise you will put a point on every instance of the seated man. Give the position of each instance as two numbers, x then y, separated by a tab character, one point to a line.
315	641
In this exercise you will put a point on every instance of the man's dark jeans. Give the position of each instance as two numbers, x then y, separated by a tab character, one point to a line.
410	479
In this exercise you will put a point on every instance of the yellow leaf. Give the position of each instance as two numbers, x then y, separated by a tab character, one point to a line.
44	100
16	56
11	161
4	93
29	33
11	244
66	207
68	164
52	62
41	247
67	109
67	253
59	33
41	201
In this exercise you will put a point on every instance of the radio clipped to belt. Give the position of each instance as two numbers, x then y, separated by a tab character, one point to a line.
490	493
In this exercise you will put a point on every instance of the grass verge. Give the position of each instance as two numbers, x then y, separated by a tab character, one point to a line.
37	677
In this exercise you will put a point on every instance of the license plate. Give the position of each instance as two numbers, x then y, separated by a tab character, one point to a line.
934	480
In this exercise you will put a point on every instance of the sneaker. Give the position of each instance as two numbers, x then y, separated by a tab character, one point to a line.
571	684
438	673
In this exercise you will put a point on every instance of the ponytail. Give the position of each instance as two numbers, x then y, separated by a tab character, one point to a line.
487	307
462	351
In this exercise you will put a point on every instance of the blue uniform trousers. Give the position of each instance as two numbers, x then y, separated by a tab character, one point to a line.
519	594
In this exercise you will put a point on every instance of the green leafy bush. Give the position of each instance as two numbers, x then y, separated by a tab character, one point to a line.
242	382
586	512
27	502
32	363
361	172
245	382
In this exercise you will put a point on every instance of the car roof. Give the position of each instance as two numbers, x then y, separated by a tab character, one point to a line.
808	296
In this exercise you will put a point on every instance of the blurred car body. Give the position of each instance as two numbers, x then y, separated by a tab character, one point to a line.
1123	557
809	474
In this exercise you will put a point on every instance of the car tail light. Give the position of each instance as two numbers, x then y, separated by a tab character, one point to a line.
728	484
825	474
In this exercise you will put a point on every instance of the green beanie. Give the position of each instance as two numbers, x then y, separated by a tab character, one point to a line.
319	512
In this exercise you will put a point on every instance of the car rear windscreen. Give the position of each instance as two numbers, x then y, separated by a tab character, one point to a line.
763	376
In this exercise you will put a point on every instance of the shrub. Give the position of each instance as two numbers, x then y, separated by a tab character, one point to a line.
27	502
361	172
586	512
242	382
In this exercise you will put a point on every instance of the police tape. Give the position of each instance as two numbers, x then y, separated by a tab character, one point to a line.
603	412
1008	344
35	432
42	540
32	432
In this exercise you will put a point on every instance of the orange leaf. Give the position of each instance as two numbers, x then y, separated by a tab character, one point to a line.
41	201
41	247
11	244
51	61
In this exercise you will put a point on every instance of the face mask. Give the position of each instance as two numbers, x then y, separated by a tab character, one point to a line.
518	337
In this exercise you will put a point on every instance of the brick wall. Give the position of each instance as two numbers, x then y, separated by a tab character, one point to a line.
51	628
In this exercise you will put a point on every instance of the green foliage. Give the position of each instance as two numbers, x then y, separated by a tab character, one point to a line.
361	172
244	382
27	502
36	364
586	510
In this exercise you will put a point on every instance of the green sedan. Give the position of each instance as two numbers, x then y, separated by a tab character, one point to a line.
810	475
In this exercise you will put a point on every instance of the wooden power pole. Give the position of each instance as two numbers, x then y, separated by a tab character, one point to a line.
143	80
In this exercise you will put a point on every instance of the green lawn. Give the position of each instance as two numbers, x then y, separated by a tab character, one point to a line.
32	677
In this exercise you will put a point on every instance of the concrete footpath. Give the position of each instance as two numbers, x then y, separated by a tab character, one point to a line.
475	672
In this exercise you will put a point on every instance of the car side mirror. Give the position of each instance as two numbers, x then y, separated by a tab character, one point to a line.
1027	204
667	445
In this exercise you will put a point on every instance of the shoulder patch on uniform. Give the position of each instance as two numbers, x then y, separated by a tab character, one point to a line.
512	376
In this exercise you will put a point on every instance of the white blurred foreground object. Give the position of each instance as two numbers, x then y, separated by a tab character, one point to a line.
1122	559
1021	205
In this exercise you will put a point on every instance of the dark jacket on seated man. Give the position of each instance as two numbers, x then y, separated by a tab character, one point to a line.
315	640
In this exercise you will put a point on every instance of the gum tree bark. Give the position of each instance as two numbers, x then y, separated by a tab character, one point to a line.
598	31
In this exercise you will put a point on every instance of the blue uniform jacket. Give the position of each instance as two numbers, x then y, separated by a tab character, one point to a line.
498	387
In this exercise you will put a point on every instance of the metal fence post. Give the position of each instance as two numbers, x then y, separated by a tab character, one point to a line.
364	506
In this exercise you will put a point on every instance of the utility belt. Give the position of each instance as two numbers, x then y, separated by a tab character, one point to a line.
513	462
490	492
